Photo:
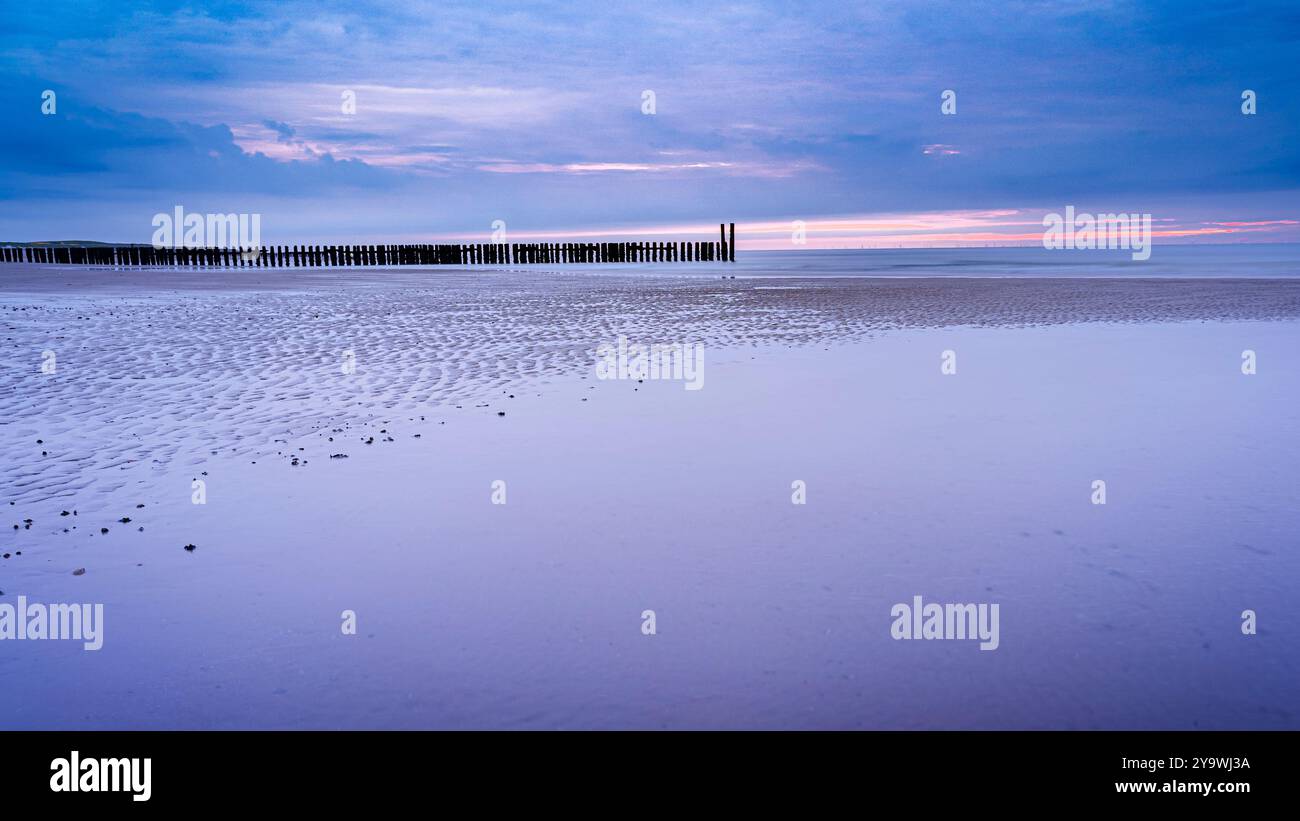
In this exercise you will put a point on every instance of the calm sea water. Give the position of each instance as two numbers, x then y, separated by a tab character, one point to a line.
1271	260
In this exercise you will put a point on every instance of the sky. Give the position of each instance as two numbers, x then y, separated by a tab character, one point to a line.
535	114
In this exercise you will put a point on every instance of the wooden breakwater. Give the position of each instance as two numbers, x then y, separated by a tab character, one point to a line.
314	256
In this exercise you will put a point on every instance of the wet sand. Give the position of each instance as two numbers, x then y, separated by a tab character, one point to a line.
625	496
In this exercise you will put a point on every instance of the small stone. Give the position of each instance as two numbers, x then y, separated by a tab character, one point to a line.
80	571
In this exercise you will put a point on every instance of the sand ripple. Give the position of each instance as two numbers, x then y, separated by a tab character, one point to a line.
155	368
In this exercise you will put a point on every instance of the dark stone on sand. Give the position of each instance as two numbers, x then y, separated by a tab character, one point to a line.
125	519
191	548
103	530
65	513
501	413
80	571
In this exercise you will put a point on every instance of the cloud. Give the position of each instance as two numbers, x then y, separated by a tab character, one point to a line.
535	108
285	130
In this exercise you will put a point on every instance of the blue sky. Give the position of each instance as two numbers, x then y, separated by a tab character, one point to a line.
531	113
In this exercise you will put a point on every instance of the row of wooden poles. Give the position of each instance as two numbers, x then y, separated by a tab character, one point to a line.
284	256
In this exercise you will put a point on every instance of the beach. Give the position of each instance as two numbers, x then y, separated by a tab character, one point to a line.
432	451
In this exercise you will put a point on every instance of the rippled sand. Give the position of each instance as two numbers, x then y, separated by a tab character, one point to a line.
626	496
156	366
